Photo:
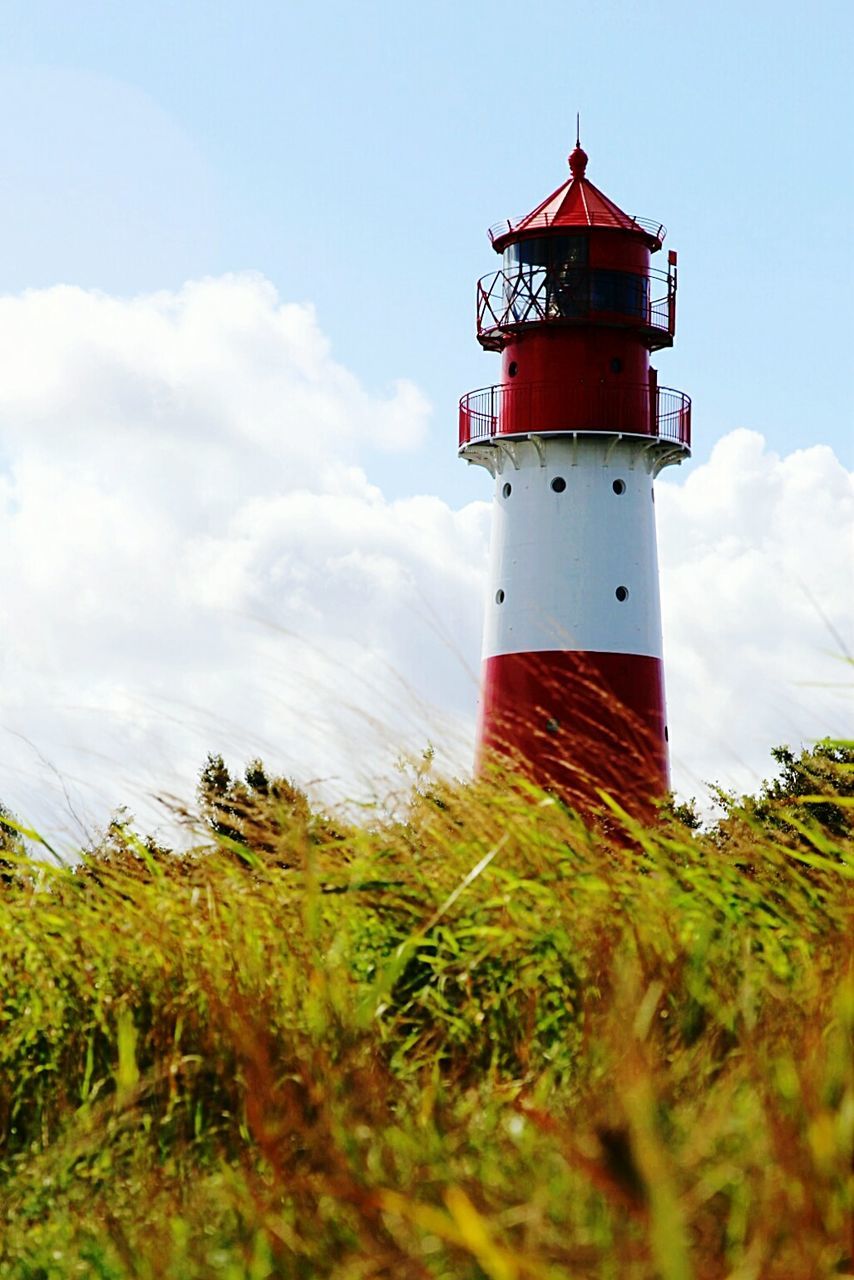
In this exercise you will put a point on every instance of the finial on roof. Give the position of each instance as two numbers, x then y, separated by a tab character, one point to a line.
578	158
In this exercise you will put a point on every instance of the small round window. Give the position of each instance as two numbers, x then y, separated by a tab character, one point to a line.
619	486
513	368
666	734
499	596
616	365
622	594
558	484
507	490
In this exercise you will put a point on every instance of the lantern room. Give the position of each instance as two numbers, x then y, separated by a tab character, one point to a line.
575	311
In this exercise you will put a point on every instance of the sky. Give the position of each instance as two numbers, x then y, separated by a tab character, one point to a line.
237	313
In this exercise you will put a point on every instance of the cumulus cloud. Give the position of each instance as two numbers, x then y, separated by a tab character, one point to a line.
193	558
757	561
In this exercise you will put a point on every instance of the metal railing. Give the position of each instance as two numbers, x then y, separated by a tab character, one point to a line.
649	226
537	295
629	409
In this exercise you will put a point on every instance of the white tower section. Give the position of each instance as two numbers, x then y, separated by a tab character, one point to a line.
573	560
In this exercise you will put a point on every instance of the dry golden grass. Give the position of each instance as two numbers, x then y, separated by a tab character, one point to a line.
486	1041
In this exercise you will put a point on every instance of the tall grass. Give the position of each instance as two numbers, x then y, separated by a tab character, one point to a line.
484	1041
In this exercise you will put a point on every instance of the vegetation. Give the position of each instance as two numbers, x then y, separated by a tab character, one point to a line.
486	1041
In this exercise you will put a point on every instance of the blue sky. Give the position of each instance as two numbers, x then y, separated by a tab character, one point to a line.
355	153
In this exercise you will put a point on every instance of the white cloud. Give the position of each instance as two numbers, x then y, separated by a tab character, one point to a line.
193	559
757	559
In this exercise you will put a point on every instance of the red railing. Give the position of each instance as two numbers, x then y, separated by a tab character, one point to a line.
537	295
509	409
656	230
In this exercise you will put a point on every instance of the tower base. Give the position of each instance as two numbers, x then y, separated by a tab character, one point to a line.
591	721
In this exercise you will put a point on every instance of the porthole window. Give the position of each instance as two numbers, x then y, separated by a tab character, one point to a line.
619	486
666	734
652	494
513	368
552	726
558	484
507	490
499	596
616	365
622	594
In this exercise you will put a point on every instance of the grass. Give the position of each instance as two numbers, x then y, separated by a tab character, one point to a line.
486	1041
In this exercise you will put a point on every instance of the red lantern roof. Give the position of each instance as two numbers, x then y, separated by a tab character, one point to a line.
577	203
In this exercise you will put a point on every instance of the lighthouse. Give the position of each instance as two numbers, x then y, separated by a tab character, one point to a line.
574	435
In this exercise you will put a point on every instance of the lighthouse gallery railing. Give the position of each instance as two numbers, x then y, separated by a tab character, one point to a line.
508	409
649	226
537	295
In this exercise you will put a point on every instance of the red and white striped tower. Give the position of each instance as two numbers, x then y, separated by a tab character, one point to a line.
574	436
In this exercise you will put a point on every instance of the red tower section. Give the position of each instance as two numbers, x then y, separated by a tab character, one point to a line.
574	435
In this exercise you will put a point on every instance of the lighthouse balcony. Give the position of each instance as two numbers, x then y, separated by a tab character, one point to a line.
508	301
539	408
